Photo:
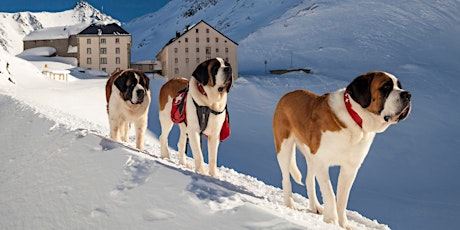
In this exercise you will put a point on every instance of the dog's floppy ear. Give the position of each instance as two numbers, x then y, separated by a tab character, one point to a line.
145	80
122	81
201	73
360	89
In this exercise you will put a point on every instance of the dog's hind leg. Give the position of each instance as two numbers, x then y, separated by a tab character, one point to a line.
285	157
166	126
182	145
310	183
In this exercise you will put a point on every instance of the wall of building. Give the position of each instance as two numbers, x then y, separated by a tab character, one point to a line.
61	45
198	44
107	53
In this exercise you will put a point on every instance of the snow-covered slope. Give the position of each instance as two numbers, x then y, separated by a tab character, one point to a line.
14	26
58	170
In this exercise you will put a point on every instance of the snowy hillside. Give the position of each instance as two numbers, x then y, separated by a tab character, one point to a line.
14	26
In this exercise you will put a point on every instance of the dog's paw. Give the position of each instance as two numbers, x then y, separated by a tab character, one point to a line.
290	203
330	219
214	173
316	208
164	156
346	226
201	171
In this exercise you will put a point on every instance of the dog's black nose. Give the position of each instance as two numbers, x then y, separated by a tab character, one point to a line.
406	95
140	93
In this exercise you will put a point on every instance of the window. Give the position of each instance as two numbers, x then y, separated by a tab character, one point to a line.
88	50
186	39
208	50
117	50
217	39
197	40
117	60
226	50
198	60
186	49
207	30
117	40
176	71
103	60
103	41
186	60
104	69
217	50
175	50
176	60
207	40
196	30
88	61
197	50
103	50
88	41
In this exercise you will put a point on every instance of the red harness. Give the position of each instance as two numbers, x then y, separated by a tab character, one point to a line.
179	115
353	113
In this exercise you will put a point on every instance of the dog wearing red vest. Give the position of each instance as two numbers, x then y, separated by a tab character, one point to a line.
335	129
206	109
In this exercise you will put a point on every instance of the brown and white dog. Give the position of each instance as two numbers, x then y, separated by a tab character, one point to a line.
208	88
335	129
128	100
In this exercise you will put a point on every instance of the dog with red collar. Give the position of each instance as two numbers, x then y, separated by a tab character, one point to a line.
205	103
335	129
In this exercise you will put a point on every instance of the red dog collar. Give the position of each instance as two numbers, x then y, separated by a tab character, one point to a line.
353	114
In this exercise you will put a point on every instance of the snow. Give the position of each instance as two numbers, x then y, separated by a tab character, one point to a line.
58	32
60	171
38	51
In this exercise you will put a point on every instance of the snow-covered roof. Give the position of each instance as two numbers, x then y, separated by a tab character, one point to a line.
59	32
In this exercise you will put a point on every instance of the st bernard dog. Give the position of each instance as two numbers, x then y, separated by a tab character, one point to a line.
207	89
335	129
128	100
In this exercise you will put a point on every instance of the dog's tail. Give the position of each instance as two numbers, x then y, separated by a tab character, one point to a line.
294	170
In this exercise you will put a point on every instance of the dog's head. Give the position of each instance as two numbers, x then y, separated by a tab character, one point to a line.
133	85
215	75
381	94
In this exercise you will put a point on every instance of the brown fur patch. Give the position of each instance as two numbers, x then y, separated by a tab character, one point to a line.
377	102
170	89
305	115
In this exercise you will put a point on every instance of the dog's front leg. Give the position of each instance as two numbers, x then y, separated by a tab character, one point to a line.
213	145
346	178
195	144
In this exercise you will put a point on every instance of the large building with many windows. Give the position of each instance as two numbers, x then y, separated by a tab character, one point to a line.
104	47
200	42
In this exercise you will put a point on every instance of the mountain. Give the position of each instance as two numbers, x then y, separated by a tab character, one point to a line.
14	26
236	19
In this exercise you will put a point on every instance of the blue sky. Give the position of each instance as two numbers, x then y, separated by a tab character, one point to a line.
122	10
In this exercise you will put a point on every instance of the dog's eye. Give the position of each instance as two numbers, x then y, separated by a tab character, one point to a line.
220	89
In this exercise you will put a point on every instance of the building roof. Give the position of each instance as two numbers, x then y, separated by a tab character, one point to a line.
104	29
189	29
